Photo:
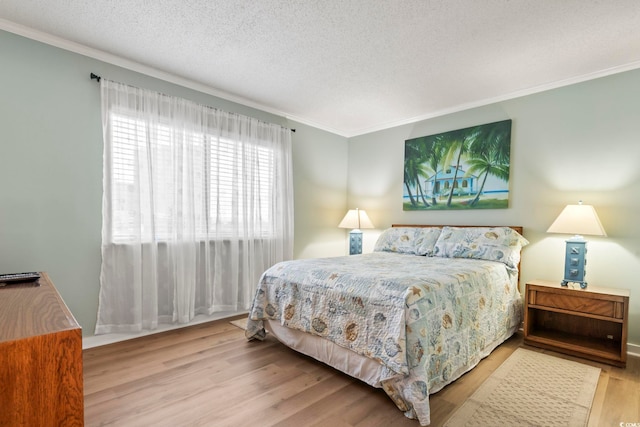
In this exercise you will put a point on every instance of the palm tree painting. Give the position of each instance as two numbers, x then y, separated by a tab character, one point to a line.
461	169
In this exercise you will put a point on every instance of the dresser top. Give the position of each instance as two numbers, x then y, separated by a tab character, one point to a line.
28	310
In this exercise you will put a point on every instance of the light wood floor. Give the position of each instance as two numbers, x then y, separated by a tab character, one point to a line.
209	375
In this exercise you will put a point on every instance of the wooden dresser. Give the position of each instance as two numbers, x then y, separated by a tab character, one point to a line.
40	358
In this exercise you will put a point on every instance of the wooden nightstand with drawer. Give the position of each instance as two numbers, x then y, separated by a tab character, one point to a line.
589	323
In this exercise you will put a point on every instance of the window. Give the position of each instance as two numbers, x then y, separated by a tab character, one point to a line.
233	182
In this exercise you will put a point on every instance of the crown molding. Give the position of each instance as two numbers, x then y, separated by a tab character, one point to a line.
81	49
116	60
513	95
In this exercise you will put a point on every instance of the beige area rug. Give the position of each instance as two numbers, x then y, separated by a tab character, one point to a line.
531	389
240	323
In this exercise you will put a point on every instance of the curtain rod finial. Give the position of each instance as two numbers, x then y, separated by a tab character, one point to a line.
95	77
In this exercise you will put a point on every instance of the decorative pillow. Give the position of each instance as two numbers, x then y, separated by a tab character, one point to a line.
501	244
396	239
408	240
426	238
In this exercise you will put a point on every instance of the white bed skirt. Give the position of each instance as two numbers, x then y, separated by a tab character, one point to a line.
351	363
343	359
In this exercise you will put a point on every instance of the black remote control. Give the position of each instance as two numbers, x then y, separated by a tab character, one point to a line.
9	279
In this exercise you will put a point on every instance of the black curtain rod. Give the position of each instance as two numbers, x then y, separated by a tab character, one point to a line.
97	78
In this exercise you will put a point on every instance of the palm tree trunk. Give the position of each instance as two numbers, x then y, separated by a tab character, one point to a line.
413	202
455	177
421	193
434	201
477	198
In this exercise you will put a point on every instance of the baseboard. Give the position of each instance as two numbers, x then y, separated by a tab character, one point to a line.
99	340
633	350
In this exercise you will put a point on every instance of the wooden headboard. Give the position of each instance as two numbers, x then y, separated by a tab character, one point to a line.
517	228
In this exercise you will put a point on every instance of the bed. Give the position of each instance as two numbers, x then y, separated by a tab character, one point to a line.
413	316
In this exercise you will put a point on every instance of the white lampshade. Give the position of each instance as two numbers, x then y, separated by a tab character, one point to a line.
578	219
357	219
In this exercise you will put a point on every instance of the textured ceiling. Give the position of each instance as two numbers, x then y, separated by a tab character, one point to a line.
352	66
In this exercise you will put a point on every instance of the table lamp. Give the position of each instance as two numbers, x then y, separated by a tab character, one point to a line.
577	220
355	219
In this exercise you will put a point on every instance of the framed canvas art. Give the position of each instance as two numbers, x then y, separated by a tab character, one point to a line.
461	169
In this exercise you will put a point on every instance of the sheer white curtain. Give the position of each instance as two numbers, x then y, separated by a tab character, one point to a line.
197	203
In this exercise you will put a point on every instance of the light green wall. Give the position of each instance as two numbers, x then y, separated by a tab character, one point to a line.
51	171
577	142
50	181
320	175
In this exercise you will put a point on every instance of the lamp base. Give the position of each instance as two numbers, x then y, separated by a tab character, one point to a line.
355	242
575	262
583	284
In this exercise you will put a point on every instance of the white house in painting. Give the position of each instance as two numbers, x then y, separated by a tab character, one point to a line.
443	181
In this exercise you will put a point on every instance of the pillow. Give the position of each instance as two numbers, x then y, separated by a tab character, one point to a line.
426	238
396	239
408	240
501	244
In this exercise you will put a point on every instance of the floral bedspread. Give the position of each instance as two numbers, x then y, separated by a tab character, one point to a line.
427	320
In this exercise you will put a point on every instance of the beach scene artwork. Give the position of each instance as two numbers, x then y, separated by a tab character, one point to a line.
460	169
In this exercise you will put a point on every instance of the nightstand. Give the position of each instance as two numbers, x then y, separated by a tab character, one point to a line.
589	323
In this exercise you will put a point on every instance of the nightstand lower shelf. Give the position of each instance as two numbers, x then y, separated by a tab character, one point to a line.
590	348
